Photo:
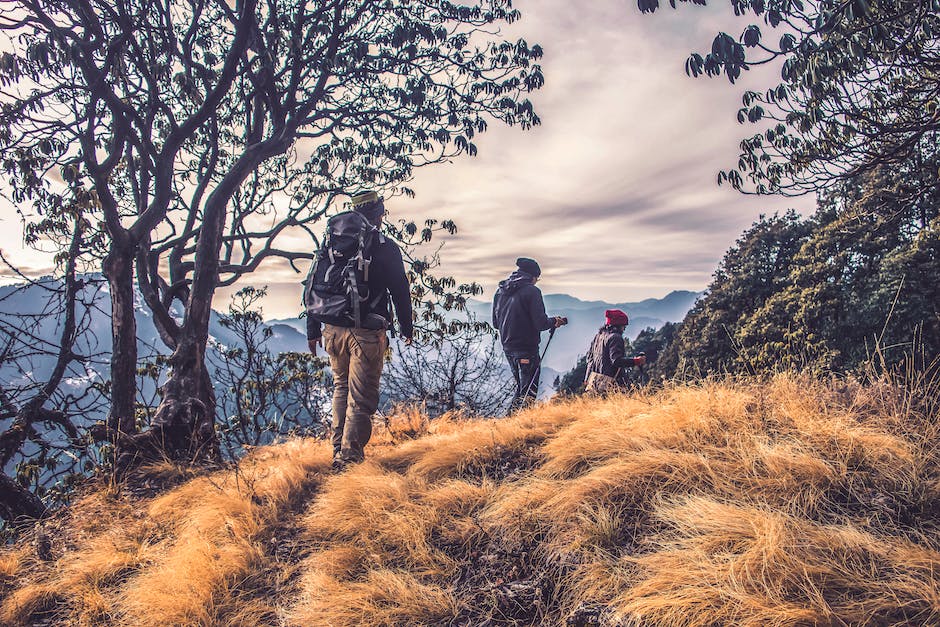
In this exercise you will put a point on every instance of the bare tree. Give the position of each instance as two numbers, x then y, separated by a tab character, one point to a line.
264	396
45	441
464	372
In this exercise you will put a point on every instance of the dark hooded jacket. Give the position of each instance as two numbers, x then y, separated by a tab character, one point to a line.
387	276
519	315
608	354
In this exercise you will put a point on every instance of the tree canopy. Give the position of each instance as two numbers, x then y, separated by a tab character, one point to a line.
858	88
851	287
203	133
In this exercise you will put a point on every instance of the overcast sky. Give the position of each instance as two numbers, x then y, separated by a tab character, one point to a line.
615	193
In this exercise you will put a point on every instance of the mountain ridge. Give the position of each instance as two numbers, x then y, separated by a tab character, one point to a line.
584	318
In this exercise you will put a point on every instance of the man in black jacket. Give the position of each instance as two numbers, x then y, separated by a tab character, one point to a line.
607	361
519	316
358	354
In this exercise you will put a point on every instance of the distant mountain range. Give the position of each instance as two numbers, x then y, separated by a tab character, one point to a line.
571	341
289	334
20	304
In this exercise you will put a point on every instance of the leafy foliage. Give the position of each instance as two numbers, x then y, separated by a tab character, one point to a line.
654	343
572	382
857	89
265	396
855	285
756	267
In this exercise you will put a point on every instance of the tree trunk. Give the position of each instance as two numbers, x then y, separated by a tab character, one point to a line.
185	421
17	502
119	269
184	426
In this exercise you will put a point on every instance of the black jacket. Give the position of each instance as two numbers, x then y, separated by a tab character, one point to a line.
608	354
386	276
519	315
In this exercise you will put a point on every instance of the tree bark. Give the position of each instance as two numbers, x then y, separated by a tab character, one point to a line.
184	425
118	267
18	502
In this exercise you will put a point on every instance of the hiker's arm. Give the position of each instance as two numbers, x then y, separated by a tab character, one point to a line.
401	292
540	319
495	303
618	355
629	362
313	329
618	352
313	334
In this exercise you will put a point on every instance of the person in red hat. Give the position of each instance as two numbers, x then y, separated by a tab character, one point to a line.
607	361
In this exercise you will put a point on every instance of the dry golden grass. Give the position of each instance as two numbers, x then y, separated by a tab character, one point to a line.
10	564
756	566
784	502
200	554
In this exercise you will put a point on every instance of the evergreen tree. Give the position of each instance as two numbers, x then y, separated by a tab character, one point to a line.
754	269
854	285
860	286
655	343
572	382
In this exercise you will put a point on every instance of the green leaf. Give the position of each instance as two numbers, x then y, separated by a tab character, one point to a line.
751	36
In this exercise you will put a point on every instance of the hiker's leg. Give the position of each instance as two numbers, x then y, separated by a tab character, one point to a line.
336	344
530	369
517	394
365	372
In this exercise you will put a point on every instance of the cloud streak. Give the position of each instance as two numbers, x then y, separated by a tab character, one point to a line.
616	192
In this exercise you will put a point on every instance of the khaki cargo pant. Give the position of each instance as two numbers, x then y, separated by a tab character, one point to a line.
356	358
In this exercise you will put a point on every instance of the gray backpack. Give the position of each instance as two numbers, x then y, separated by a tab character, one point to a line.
336	290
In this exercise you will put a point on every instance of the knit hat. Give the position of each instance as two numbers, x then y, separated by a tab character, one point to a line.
529	266
369	204
616	318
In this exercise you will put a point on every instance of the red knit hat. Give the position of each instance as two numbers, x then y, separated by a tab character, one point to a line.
616	318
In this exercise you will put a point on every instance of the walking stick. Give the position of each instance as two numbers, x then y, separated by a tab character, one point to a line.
551	334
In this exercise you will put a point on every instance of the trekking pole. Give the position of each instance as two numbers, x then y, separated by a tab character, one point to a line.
551	334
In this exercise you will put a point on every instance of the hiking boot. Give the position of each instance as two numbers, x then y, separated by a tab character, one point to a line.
339	464
351	456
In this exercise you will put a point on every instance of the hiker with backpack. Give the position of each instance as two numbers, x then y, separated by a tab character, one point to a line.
346	296
607	362
519	316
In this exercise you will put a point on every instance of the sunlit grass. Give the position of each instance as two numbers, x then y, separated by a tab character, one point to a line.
783	502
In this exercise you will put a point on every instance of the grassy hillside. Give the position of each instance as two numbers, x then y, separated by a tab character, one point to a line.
780	503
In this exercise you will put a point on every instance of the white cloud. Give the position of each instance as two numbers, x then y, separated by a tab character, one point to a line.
622	173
